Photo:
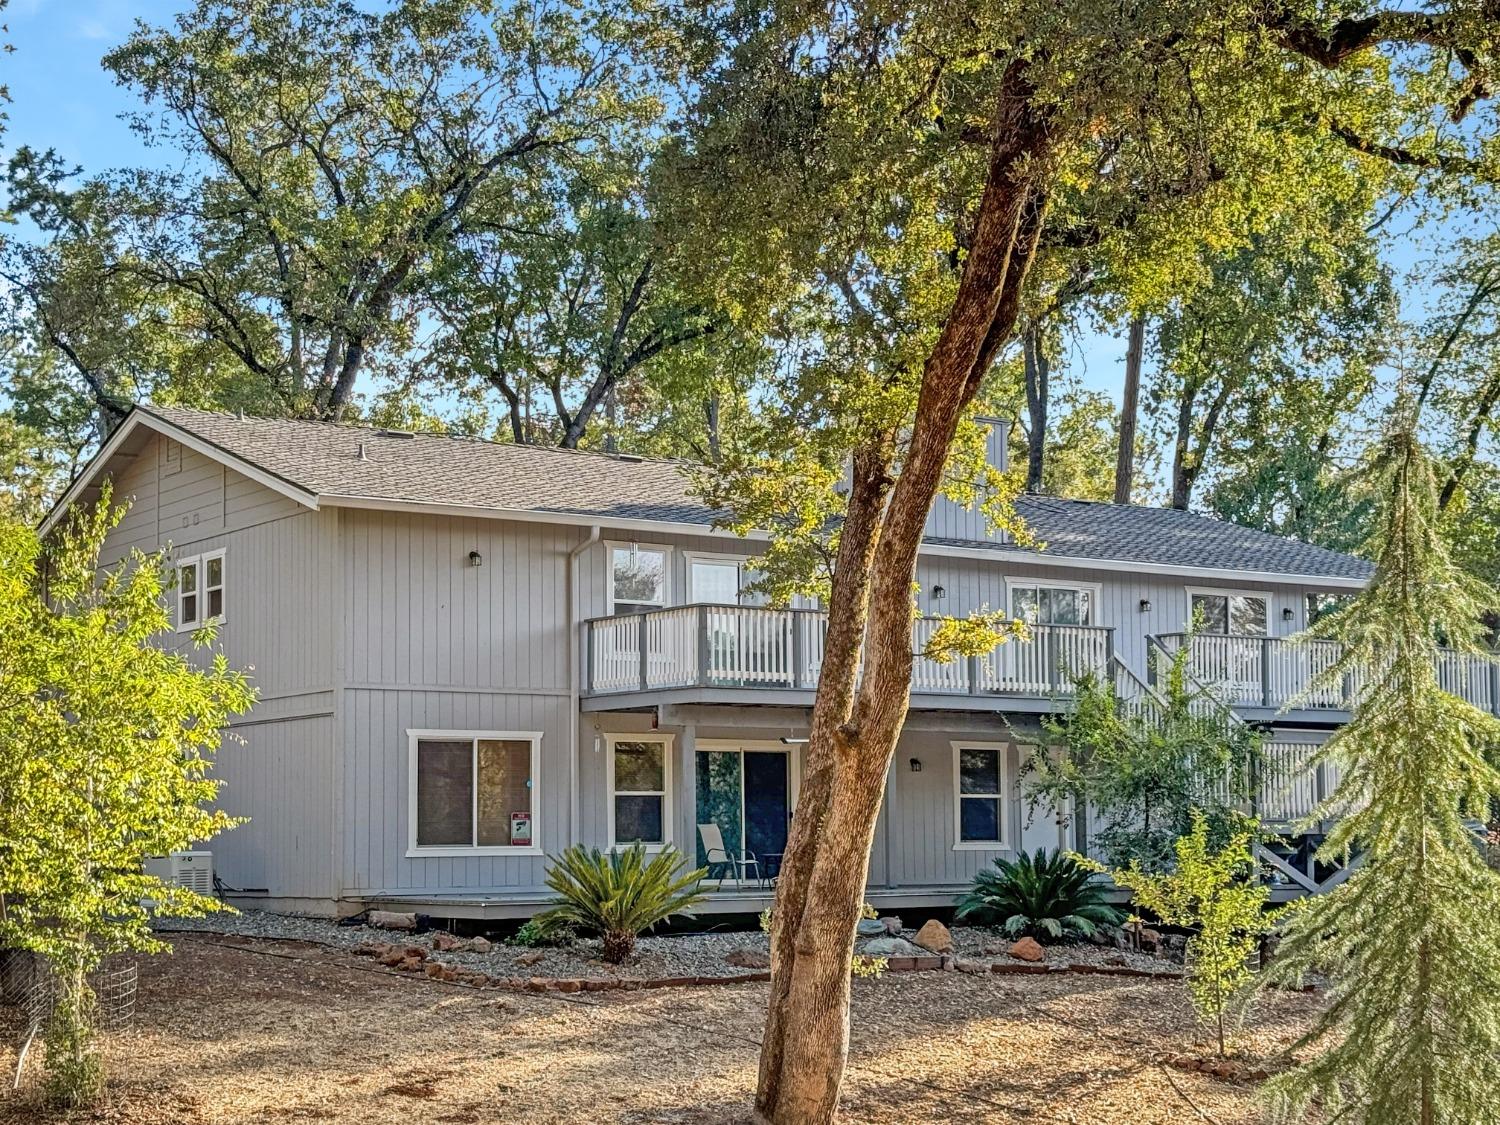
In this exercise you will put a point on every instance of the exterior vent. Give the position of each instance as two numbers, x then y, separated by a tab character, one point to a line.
395	433
193	870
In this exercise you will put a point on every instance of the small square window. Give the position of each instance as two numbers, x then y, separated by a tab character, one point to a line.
638	578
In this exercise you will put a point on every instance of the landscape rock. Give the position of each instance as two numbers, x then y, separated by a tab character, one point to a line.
1027	949
970	966
410	965
478	945
892	924
871	927
439	971
890	947
934	936
532	958
748	959
398	954
446	942
392	920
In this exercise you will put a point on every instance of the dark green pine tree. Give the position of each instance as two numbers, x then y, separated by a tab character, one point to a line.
1411	942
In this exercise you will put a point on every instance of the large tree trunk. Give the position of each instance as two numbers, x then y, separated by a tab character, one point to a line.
1129	409
853	736
1038	374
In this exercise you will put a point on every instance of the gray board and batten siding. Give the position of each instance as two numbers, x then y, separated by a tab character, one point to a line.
353	602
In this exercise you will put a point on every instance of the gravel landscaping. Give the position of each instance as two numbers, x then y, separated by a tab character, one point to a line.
243	1030
671	956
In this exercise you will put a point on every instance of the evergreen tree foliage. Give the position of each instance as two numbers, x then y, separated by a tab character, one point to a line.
1410	941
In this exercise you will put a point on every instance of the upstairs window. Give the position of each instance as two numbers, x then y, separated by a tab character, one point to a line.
1223	611
1321	605
1038	604
473	792
200	590
638	578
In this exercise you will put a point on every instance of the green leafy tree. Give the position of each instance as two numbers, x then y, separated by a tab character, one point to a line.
336	163
1215	893
1413	1021
577	314
109	737
1146	773
619	894
887	190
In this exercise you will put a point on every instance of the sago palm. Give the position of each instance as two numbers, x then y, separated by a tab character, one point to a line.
1048	895
619	895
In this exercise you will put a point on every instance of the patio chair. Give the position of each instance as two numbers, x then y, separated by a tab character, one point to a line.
717	856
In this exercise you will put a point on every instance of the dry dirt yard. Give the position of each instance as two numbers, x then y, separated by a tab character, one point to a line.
241	1030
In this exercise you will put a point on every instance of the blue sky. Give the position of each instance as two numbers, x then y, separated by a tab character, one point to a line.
63	99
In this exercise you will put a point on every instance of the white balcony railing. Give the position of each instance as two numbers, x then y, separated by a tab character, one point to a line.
1272	672
731	646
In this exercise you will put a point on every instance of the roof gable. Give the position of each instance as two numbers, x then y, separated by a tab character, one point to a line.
325	464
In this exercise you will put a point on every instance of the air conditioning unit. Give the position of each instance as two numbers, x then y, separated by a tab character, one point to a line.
193	870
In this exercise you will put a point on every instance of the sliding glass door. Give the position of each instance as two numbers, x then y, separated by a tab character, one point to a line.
747	794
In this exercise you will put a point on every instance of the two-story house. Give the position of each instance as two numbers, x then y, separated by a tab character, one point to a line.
472	655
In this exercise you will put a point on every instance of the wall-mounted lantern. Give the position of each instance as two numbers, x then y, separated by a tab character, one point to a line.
1145	605
1288	613
938	593
916	765
476	559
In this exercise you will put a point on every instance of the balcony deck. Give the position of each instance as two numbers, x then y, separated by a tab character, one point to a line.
752	654
1265	677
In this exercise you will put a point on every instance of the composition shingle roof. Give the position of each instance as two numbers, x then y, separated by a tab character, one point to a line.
324	459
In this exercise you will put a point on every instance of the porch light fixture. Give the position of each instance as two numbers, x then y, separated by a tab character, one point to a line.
916	765
476	559
938	593
1145	605
1288	613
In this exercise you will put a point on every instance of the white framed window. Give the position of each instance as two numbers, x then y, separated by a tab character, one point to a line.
640	789
979	796
1231	612
200	590
639	577
715	579
1053	603
473	792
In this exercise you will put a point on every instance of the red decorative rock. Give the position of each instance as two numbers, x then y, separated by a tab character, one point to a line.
1027	949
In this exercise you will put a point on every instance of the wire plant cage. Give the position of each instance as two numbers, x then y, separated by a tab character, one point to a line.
29	991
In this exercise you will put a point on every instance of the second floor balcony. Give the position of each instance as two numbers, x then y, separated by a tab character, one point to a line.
1274	674
735	648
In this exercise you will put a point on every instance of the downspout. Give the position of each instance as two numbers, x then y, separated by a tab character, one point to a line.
575	691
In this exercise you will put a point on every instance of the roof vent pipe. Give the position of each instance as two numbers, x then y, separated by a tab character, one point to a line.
361	453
